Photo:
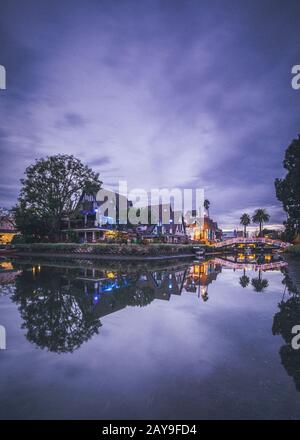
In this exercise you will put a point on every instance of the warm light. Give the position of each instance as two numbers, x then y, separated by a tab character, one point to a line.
6	237
6	265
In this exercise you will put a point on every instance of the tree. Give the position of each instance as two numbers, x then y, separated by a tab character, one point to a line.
259	284
283	322
50	191
288	188
56	315
244	280
260	216
206	205
245	221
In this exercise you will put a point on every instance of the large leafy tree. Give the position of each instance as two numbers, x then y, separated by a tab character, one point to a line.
288	188
260	216
50	191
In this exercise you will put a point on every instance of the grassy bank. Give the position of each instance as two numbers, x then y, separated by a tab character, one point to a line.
105	249
294	250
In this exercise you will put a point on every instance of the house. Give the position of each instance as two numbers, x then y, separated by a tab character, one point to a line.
204	230
7	230
97	220
164	224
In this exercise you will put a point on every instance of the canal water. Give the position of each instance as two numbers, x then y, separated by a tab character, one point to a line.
180	340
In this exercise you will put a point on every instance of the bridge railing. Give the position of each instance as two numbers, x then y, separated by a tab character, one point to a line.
254	240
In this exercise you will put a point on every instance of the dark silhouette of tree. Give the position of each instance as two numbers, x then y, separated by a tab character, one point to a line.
259	284
283	322
136	296
260	216
288	189
288	282
244	280
55	316
141	296
245	220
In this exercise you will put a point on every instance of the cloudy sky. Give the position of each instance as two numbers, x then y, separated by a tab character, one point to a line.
168	93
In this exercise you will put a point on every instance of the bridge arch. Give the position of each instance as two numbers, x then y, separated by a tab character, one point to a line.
253	240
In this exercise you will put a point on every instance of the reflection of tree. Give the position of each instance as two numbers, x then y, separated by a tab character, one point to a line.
259	284
56	317
244	280
136	295
141	296
284	321
287	281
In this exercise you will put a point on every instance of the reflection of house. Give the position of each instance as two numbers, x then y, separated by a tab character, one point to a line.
98	281
200	276
163	283
7	273
106	288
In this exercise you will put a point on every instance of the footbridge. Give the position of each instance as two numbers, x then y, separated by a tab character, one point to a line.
235	242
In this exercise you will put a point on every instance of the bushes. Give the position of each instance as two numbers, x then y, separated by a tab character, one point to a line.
294	250
106	249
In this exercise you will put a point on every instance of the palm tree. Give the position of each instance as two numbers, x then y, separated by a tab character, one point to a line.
245	220
244	281
260	216
206	205
259	284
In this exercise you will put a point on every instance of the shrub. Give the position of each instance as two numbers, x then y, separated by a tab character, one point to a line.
294	250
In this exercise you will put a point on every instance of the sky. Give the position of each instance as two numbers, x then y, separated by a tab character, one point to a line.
163	94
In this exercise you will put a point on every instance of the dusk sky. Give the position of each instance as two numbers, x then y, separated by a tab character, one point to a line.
190	94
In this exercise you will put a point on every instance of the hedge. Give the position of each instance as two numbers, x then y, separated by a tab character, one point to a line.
106	248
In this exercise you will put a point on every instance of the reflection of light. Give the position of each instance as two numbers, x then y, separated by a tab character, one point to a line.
39	268
6	265
170	286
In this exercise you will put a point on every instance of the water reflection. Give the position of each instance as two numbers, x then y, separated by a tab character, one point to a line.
226	321
61	305
55	313
287	317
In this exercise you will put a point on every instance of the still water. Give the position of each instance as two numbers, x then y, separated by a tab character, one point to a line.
187	340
